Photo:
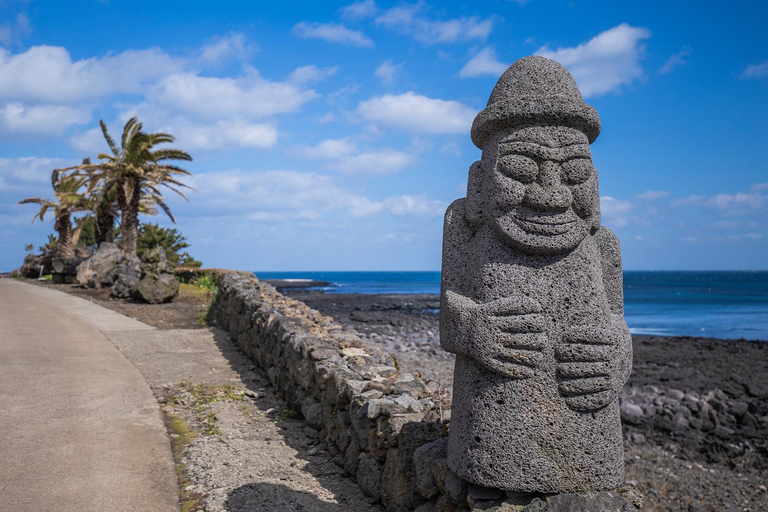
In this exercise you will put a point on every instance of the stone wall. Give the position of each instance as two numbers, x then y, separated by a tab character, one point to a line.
383	427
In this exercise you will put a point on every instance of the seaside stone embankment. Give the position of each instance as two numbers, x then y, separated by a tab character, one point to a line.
385	428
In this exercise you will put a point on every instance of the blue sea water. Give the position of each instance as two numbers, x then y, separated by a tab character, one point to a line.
717	304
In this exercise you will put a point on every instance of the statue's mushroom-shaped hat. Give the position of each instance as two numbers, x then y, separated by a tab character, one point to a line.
535	90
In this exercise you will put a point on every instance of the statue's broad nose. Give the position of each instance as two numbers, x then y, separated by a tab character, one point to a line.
547	192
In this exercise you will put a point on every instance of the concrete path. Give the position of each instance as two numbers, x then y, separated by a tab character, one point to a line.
79	427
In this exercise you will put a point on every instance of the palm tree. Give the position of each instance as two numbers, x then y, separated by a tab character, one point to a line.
69	200
135	172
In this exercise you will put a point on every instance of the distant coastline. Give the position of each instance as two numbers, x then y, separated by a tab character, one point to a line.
717	304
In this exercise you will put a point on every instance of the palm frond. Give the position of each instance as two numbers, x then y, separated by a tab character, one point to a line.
110	141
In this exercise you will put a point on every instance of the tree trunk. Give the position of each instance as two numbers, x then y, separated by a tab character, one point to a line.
129	226
104	227
63	226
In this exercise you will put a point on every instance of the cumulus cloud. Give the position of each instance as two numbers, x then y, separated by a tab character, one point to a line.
650	195
251	96
678	59
310	74
332	32
411	20
30	172
484	62
415	206
360	10
342	155
229	134
18	120
387	72
233	46
756	70
606	62
615	212
294	195
47	74
414	113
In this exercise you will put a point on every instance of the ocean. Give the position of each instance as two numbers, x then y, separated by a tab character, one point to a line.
716	304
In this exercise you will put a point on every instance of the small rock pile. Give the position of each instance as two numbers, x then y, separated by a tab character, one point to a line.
713	423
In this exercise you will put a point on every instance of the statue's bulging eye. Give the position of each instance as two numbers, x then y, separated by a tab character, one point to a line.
519	167
577	171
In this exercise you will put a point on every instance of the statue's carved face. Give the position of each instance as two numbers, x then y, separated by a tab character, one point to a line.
540	188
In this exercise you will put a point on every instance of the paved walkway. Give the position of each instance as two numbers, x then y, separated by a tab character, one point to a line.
79	427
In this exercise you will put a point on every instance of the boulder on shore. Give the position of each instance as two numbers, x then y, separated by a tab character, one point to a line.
110	268
158	282
36	265
65	270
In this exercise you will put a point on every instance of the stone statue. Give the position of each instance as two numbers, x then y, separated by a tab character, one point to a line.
531	300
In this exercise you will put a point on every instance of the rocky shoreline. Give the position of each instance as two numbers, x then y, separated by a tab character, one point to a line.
693	402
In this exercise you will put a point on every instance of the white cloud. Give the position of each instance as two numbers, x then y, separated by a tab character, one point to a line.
29	172
360	10
12	32
484	63
332	32
675	60
756	70
342	155
226	134
606	62
650	195
252	97
310	74
328	149
411	112
233	46
614	212
89	142
17	120
48	74
406	19
415	206
387	72
288	193
292	195
384	161
754	201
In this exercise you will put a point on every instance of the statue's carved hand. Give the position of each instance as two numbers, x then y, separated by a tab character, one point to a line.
505	335
593	364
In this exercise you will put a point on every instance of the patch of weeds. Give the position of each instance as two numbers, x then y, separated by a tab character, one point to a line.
47	277
394	362
195	399
181	437
208	282
202	294
202	317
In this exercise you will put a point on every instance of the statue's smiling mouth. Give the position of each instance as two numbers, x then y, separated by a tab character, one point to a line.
546	224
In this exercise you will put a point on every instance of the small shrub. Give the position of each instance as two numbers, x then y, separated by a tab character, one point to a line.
207	281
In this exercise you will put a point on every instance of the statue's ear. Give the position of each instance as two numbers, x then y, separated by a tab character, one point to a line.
473	212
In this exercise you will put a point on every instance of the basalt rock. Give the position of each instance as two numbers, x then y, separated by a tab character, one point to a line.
531	300
158	282
110	268
36	265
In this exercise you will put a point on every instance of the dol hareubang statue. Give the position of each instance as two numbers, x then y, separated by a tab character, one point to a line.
531	299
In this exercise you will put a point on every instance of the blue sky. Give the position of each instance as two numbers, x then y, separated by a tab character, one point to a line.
332	136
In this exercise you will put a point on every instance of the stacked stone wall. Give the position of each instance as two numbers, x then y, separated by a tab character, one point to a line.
385	428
